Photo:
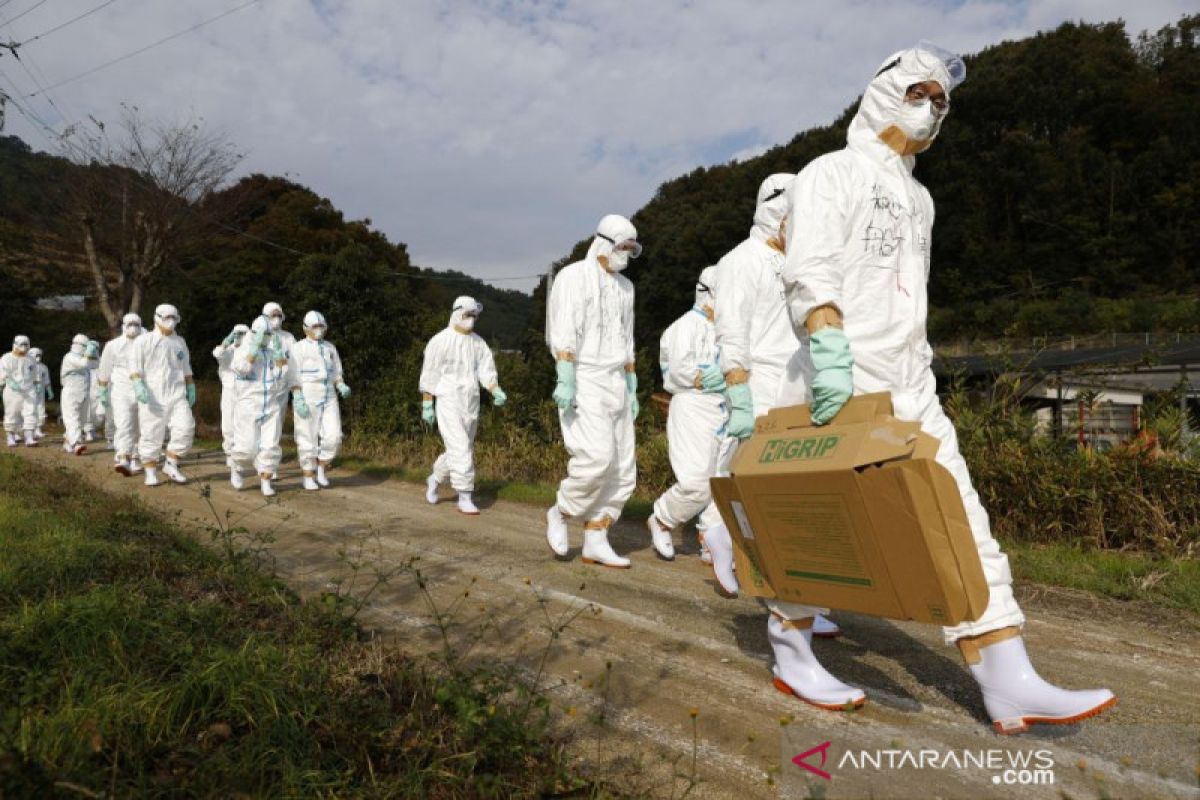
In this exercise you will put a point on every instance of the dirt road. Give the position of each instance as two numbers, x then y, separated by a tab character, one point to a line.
674	645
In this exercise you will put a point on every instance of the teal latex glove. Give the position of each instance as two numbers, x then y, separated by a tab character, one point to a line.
228	340
343	390
12	384
105	396
300	404
564	390
257	339
499	398
191	394
711	378
92	350
833	383
50	393
741	410
427	414
277	354
631	388
140	391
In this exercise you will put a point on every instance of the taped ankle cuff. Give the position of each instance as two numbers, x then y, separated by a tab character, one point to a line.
970	646
802	624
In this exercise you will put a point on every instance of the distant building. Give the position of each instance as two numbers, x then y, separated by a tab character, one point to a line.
1091	389
62	302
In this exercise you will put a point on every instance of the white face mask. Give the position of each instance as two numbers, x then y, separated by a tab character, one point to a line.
467	323
618	260
276	323
317	333
131	331
919	120
166	324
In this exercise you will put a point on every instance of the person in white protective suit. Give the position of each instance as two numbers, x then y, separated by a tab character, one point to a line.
589	329
43	390
223	353
692	373
160	369
274	312
265	374
318	367
18	375
117	395
858	259
75	378
457	362
95	412
754	334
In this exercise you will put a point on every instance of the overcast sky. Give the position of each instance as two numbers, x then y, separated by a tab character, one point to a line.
491	135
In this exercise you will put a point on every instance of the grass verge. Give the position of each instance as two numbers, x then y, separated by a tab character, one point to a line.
134	661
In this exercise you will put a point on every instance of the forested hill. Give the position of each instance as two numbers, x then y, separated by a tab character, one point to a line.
1067	184
269	238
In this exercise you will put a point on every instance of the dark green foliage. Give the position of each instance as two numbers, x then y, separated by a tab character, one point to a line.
134	662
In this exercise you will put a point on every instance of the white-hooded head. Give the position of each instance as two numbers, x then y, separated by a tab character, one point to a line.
274	313
21	345
239	333
886	123
36	354
615	243
79	344
131	326
706	301
771	206
315	326
166	317
465	312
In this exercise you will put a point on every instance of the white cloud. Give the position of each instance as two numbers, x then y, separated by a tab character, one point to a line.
490	135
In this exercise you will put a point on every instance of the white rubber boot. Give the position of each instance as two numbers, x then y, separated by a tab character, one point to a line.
80	449
557	532
798	673
660	537
122	467
310	484
321	479
597	550
12	440
466	505
135	465
171	470
235	478
89	436
825	628
431	490
228	462
264	485
39	434
1016	696
152	476
705	555
30	439
720	547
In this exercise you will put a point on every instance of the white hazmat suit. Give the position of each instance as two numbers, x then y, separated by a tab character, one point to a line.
116	366
858	244
223	353
43	390
319	369
161	372
264	376
457	362
696	423
18	376
96	414
75	378
589	327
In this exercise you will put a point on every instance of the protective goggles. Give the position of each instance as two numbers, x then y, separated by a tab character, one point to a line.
172	318
470	312
630	246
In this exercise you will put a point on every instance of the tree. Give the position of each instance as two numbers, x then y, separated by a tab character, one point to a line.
141	200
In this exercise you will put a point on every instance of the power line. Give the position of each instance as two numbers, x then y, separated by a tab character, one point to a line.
71	21
150	46
26	11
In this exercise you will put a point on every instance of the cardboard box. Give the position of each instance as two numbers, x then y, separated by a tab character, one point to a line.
854	515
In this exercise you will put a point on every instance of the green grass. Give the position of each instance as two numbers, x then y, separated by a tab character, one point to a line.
1173	583
134	661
